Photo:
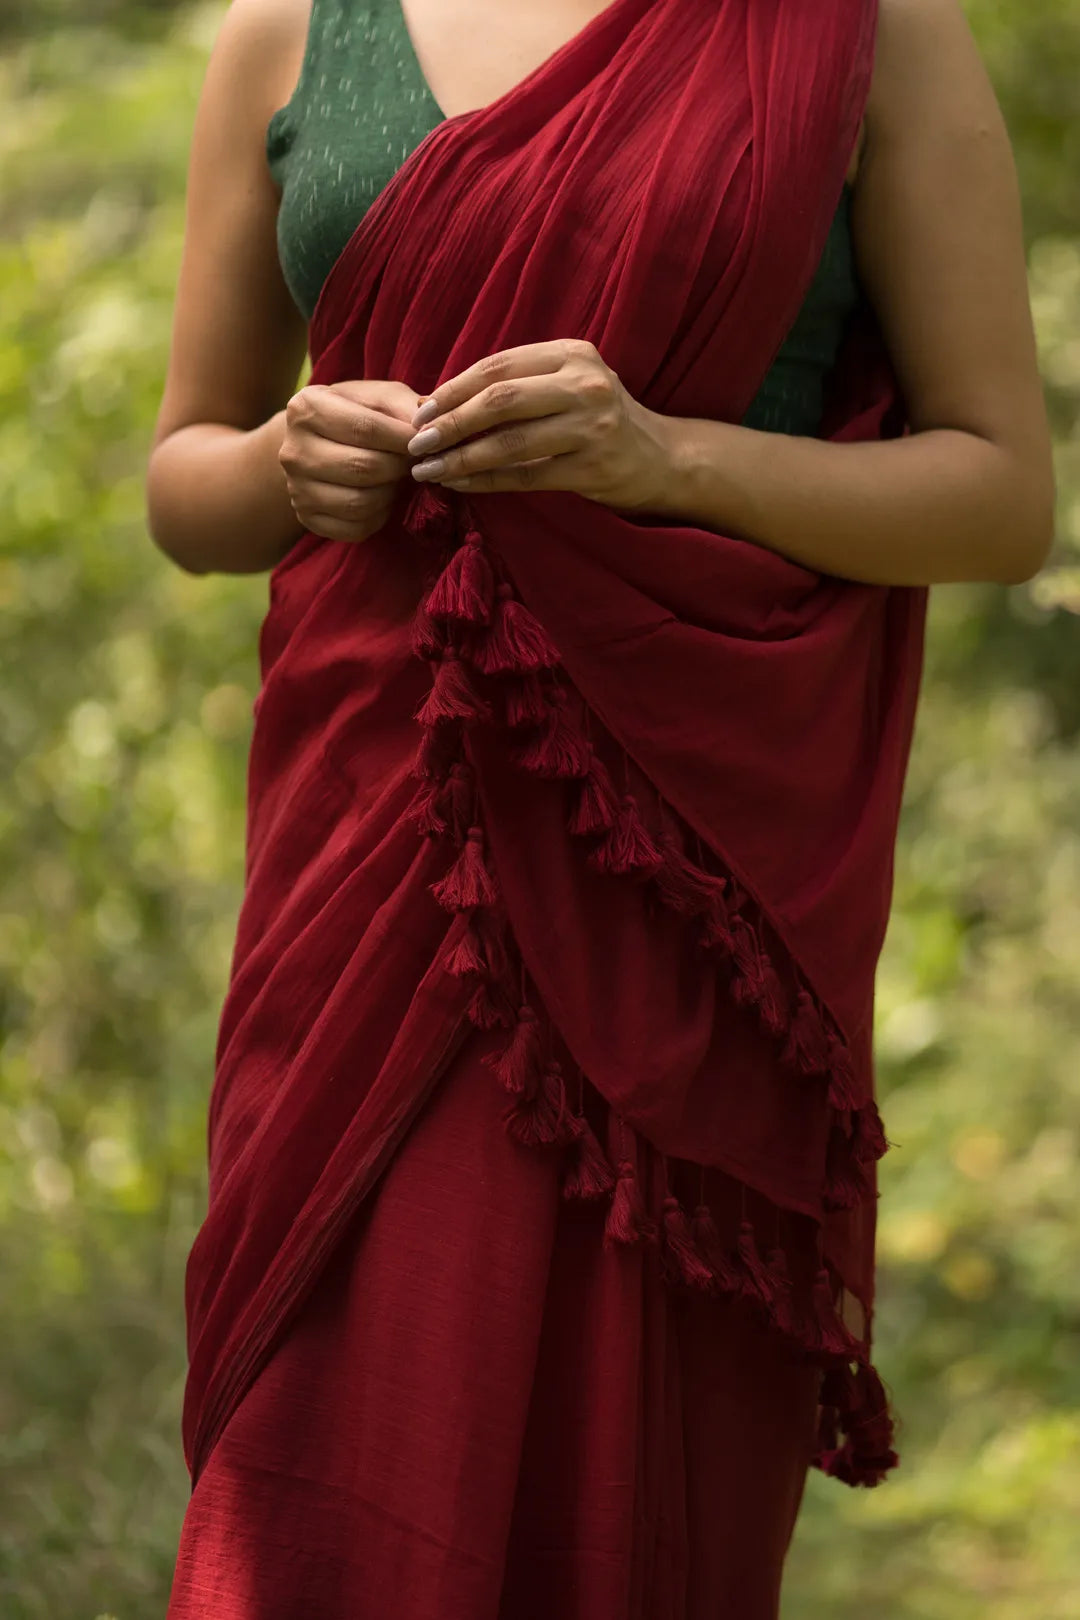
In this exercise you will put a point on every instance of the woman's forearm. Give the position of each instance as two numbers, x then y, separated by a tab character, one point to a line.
217	501
937	506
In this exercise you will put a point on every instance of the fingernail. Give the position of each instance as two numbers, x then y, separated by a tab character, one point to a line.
428	440
425	412
430	468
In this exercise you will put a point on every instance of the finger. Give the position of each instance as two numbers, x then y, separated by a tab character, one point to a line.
394	399
336	500
323	411
514	399
328	463
549	472
504	447
527	360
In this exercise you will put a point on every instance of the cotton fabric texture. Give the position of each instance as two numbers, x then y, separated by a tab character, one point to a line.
539	1258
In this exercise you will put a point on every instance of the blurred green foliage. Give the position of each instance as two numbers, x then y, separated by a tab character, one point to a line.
124	721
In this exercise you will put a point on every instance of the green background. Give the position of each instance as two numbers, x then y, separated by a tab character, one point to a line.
125	714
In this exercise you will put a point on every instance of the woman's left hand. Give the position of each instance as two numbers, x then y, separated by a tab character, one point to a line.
544	416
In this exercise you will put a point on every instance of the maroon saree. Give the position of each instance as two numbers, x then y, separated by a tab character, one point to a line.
608	801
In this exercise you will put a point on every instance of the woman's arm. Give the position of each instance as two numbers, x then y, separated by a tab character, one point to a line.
216	493
970	494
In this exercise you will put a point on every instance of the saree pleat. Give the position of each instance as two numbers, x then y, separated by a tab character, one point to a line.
483	1413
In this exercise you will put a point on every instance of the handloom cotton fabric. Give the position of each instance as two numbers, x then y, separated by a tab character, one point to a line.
599	811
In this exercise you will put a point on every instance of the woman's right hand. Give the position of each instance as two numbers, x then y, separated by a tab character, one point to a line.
343	455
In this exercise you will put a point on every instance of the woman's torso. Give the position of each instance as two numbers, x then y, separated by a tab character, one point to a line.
355	101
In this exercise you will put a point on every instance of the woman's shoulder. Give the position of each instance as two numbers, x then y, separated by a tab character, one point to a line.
264	42
922	46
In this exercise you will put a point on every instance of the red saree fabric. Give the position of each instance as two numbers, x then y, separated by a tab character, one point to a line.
621	795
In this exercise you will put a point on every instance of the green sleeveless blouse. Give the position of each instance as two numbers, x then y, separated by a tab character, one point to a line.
362	104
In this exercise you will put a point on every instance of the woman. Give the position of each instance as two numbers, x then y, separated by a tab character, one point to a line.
538	1265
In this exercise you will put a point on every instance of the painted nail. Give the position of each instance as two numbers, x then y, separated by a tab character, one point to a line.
430	468
428	440
425	412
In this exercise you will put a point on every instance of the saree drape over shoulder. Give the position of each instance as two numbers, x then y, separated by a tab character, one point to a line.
622	794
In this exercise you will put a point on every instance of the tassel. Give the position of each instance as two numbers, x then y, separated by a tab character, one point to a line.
517	641
452	697
716	932
537	1120
869	1140
843	1094
427	510
426	811
466	957
428	638
587	1172
707	1242
439	747
807	1045
867	1454
756	1282
830	1335
525	701
520	1067
684	888
596	806
628	846
461	796
845	1180
682	1261
464	590
468	882
627	1221
783	1312
557	749
491	1008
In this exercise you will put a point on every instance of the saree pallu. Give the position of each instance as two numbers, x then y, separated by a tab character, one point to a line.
621	794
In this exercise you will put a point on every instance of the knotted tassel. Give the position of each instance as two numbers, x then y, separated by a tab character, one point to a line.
453	696
869	1143
439	747
491	1008
707	1242
756	983
596	806
867	1453
587	1171
428	637
459	799
467	956
464	590
428	510
427	810
517	641
627	1220
843	1092
557	750
716	928
537	1120
525	702
756	1282
845	1180
628	846
807	1047
682	1262
783	1312
829	1333
520	1067
468	882
684	888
